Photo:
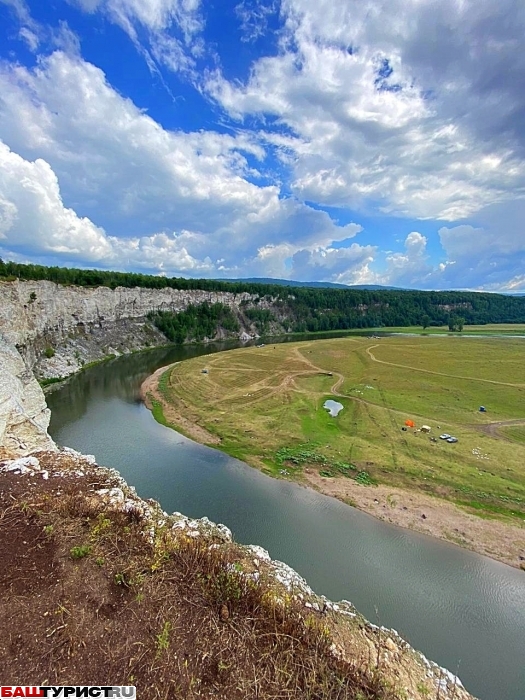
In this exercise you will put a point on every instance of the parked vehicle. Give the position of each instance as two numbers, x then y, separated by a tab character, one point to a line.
445	436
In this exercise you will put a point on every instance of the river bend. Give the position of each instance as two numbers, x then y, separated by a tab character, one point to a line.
463	610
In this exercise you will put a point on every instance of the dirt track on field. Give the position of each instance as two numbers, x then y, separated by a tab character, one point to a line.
492	429
439	374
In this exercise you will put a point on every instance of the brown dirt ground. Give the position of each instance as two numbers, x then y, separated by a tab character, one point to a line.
493	429
91	594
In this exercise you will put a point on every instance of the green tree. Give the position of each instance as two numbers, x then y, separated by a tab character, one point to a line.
456	323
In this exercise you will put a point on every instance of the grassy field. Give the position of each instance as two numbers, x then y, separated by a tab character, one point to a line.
266	405
489	329
515	433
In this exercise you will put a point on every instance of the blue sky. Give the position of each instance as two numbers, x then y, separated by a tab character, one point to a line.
361	143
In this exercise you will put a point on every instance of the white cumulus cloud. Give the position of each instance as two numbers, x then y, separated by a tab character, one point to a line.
33	217
183	200
398	105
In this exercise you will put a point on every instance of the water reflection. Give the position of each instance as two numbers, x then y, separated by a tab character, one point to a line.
121	376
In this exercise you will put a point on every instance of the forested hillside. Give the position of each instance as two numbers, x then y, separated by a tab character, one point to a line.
197	322
304	309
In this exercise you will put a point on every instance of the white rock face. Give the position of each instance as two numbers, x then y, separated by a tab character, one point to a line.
60	308
24	416
41	314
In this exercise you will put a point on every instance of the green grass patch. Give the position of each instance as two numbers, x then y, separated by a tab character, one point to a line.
266	406
298	457
514	432
163	382
158	413
80	551
50	380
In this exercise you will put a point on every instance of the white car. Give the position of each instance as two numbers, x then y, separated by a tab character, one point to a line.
445	436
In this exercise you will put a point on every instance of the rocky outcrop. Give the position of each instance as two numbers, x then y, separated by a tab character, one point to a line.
24	416
58	329
30	310
70	485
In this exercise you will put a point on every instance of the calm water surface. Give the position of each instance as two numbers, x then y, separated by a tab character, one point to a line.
333	407
464	611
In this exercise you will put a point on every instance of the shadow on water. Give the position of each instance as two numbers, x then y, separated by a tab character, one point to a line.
459	608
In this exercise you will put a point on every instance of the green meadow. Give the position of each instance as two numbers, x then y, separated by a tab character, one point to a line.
266	406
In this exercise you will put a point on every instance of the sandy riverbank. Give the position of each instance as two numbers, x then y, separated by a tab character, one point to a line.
149	392
436	517
414	510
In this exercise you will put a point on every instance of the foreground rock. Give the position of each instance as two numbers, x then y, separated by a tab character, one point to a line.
24	416
101	587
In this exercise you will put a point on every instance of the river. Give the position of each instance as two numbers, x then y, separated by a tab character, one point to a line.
463	610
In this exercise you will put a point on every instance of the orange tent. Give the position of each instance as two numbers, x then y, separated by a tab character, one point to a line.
410	423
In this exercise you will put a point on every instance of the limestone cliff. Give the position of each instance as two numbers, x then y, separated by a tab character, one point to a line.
58	328
24	416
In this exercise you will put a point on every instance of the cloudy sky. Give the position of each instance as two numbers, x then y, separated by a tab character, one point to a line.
360	142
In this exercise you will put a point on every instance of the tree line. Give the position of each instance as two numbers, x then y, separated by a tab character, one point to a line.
305	309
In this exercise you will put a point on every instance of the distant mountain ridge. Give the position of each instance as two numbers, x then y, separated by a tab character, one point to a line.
316	285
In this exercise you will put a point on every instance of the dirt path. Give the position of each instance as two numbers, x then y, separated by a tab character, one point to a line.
320	370
439	374
492	429
334	388
287	380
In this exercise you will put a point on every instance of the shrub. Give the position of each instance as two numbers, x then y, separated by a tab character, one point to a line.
49	352
80	552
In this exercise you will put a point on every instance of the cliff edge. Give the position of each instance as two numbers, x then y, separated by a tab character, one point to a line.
58	329
24	416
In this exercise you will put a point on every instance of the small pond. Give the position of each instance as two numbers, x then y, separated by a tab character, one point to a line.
333	407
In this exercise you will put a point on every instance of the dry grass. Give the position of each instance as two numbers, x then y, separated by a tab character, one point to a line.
87	598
